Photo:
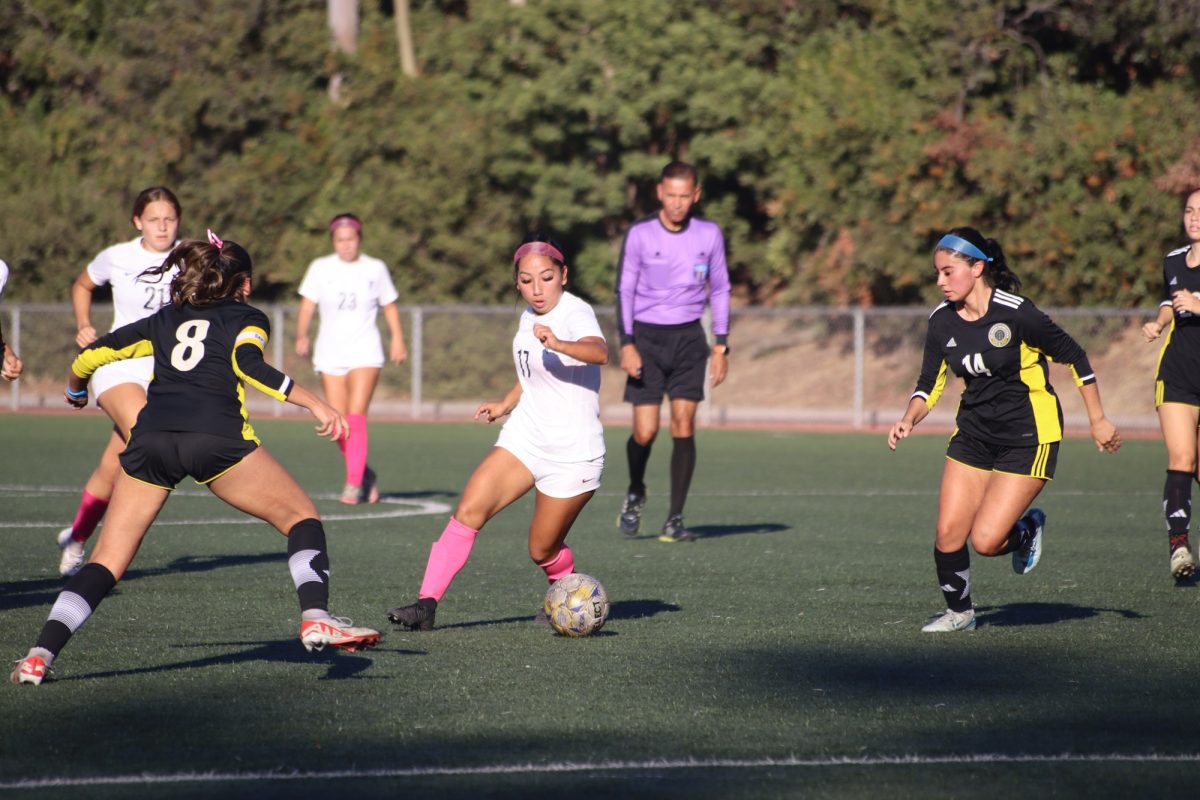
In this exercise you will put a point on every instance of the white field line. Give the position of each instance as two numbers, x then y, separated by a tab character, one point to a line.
605	766
399	507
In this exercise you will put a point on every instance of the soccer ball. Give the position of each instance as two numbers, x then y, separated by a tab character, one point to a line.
577	605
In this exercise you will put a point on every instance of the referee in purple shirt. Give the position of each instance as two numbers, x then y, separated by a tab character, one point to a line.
671	264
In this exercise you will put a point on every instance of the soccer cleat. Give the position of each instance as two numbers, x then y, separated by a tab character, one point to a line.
1183	565
630	518
317	634
952	621
30	669
72	554
370	488
1024	559
351	494
673	531
417	617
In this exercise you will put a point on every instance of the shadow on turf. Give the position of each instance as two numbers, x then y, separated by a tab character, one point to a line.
716	531
624	609
43	591
1043	613
341	665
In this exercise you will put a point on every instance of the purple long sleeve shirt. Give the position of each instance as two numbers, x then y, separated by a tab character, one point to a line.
665	277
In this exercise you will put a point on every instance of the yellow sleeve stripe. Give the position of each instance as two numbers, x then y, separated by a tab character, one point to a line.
94	358
254	335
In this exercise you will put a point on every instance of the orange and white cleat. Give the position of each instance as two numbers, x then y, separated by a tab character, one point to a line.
30	669
316	634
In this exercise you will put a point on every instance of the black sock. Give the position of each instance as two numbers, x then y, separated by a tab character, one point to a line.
76	602
954	577
639	456
1177	506
683	464
308	562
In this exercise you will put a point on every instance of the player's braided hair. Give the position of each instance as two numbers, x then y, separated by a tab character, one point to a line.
208	274
996	271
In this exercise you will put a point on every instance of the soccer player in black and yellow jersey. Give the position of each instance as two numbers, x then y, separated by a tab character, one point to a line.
207	345
1009	421
1177	383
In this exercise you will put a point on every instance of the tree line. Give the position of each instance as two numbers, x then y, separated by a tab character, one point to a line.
836	140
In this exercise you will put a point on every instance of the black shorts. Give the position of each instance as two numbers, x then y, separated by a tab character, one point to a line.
164	458
1171	393
1037	461
674	361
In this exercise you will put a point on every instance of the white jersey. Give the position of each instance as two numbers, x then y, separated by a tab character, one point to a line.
348	295
134	297
558	415
3	276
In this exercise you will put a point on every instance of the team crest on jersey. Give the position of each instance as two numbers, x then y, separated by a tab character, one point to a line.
999	335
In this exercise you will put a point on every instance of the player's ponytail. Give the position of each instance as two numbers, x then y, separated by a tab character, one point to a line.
996	269
209	272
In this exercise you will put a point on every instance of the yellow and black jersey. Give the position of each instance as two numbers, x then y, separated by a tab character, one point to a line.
1179	358
1002	359
203	357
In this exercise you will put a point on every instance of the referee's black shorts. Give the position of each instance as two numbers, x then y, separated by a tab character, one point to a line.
674	362
164	458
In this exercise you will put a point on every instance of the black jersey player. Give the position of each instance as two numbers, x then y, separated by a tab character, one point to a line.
207	345
1009	420
1177	384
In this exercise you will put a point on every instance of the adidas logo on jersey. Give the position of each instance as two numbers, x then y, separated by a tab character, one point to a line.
951	343
1174	281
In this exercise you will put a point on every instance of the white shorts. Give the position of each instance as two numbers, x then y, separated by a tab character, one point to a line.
322	369
338	358
560	479
131	370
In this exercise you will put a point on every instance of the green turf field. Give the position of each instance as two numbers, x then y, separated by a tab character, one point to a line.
779	656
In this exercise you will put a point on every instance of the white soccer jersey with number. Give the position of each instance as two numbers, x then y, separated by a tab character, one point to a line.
558	415
348	295
134	296
3	276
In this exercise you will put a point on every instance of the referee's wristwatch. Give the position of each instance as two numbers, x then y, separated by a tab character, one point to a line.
723	349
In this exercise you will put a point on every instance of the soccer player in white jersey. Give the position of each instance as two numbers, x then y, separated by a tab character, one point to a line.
349	288
553	441
120	388
10	364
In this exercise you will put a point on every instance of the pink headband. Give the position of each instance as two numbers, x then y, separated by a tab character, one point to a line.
215	240
538	247
345	222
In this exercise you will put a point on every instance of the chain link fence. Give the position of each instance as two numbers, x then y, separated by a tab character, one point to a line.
788	366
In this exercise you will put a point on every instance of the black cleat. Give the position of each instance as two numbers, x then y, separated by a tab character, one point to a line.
630	519
417	617
673	531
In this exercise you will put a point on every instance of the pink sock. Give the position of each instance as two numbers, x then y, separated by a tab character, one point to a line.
356	449
446	557
91	509
559	566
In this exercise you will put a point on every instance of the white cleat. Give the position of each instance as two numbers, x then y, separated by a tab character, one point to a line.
1183	565
317	634
72	554
30	669
952	621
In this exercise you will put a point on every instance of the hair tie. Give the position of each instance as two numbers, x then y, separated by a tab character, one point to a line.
538	247
215	240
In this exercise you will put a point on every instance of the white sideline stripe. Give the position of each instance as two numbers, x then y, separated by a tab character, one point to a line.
402	507
605	766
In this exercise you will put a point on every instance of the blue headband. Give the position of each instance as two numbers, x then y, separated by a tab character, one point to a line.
960	245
